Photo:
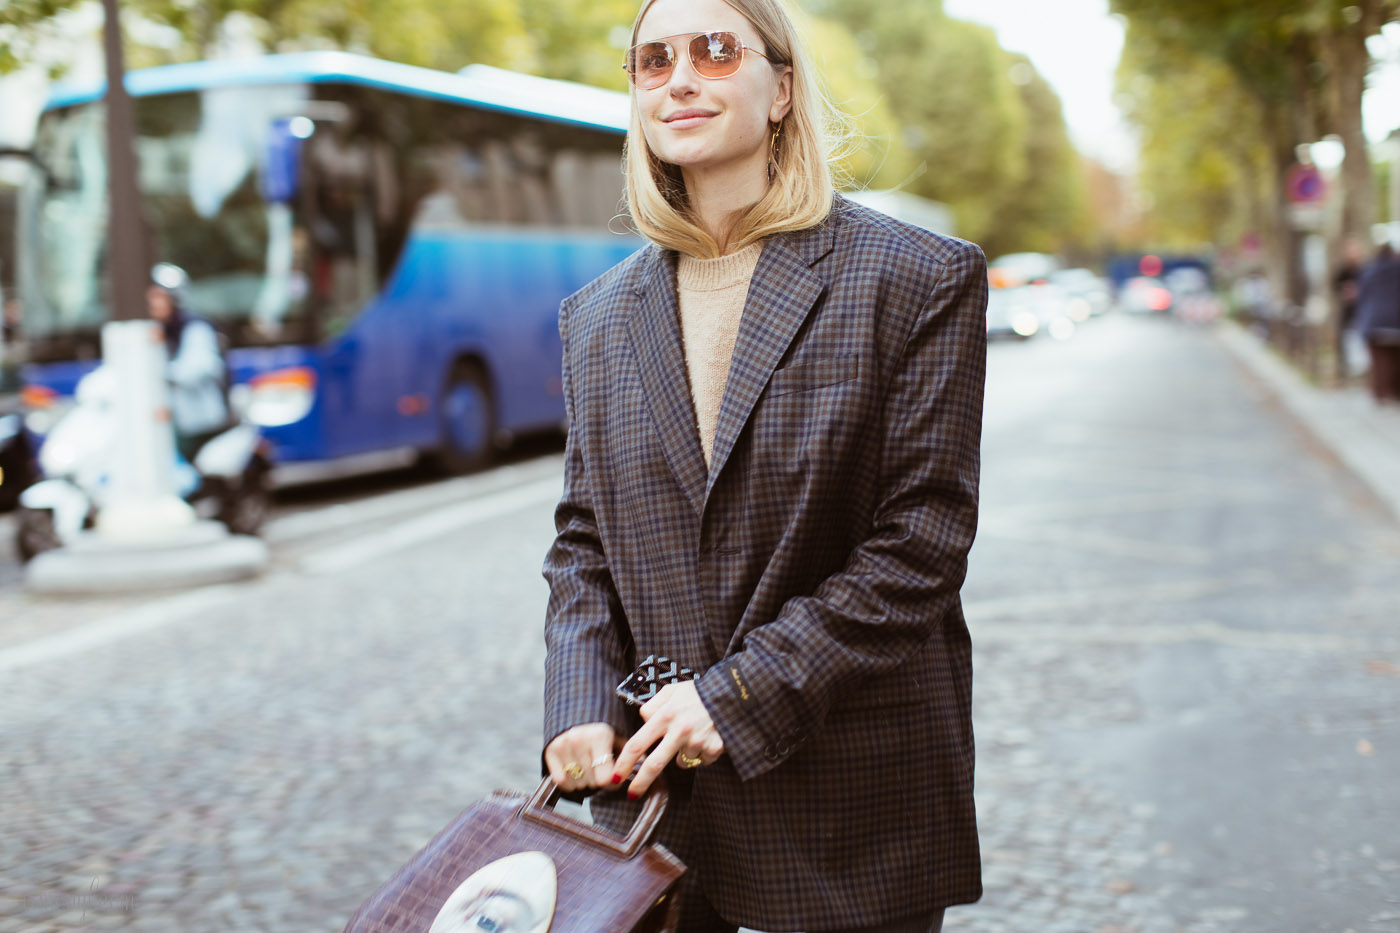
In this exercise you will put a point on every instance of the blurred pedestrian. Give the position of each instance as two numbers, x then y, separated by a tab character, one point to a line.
197	374
1378	320
771	479
1346	288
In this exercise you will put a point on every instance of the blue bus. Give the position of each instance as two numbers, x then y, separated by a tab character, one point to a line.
383	247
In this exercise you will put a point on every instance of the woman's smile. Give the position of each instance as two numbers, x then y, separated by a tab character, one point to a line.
689	118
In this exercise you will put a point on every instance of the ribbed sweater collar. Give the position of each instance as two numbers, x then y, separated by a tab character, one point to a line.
709	275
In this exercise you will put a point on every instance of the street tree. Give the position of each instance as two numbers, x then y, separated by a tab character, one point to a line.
986	131
1050	204
1203	146
1303	64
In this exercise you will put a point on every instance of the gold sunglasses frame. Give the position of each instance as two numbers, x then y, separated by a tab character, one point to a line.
674	57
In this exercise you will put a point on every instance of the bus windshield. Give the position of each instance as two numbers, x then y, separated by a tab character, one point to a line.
204	172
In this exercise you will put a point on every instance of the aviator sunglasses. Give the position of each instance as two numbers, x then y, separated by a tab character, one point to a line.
712	55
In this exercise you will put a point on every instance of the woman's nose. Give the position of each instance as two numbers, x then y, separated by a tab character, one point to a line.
684	81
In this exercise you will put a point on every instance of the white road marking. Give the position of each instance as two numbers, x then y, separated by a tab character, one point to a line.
436	524
387	505
124	624
171	609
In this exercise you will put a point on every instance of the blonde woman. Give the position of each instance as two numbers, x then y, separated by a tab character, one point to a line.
772	467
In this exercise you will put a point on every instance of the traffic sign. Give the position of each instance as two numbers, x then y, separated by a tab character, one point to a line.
1305	185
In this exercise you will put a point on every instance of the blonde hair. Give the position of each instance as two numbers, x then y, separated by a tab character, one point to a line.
800	194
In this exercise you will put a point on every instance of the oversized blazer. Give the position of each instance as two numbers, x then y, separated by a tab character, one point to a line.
810	575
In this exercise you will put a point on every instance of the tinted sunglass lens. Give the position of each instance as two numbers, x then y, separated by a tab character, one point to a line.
650	64
716	54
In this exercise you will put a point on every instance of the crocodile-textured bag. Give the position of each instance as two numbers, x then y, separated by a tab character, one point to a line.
515	865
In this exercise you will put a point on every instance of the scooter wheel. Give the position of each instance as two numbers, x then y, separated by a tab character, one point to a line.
246	504
35	533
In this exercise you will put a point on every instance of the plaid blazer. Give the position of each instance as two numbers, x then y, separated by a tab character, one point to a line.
811	573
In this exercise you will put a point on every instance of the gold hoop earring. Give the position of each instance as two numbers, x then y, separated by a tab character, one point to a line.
773	154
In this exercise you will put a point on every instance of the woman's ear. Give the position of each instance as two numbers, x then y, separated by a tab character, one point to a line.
782	103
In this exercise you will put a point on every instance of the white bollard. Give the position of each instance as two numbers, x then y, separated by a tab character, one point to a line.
142	504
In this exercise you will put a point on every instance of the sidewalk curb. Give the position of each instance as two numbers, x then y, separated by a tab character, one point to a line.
1365	439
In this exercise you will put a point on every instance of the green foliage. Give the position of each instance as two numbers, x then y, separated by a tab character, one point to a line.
1050	205
875	155
1204	147
1226	90
22	24
992	147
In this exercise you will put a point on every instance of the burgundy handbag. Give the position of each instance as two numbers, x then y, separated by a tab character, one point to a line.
512	865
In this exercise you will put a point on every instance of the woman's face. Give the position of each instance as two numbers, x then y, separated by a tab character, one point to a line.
703	124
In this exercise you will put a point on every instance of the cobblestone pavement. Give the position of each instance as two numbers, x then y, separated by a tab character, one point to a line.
1186	691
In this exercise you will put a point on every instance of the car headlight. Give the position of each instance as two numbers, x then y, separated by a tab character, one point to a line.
283	396
1025	323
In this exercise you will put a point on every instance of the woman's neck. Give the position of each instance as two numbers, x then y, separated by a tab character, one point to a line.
718	195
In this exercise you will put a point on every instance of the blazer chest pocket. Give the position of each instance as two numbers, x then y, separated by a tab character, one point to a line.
817	374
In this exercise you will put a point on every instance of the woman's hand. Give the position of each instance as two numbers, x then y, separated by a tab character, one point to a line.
582	757
680	727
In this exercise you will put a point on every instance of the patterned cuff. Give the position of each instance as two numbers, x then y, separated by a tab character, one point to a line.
740	717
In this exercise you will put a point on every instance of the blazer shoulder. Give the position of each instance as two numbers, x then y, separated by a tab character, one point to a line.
903	246
603	291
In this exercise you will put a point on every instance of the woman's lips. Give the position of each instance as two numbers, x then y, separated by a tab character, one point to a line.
687	119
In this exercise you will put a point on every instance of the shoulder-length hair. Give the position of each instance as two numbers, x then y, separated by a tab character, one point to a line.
800	194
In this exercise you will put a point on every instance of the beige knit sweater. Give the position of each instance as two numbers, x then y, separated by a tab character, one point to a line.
712	294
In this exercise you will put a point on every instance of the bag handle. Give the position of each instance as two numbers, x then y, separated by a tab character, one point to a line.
540	808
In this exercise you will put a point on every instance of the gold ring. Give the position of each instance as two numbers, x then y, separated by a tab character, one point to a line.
574	770
687	762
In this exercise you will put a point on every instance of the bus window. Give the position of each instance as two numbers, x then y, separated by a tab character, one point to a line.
341	224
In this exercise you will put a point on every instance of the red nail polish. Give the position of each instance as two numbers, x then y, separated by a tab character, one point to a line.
617	779
632	795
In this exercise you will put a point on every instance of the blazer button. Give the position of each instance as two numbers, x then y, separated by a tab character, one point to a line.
770	753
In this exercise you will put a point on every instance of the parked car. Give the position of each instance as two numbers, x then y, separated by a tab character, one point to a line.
1193	299
1009	314
1088	293
1145	295
1024	268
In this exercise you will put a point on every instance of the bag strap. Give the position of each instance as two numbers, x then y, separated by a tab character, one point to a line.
540	809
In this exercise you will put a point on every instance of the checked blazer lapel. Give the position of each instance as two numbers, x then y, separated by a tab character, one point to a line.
655	329
783	290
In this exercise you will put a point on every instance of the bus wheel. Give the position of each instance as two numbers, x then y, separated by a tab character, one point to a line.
468	417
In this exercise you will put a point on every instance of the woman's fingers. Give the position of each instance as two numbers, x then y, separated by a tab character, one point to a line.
600	766
634	749
677	724
573	755
654	764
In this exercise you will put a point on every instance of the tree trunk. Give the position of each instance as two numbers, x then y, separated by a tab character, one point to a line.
1283	243
1344	52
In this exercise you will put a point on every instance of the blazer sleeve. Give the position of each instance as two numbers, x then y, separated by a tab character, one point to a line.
586	653
903	580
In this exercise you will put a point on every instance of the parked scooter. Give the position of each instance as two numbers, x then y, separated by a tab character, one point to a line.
228	479
16	460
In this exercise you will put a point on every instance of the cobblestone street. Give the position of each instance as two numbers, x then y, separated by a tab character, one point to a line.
1187	690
